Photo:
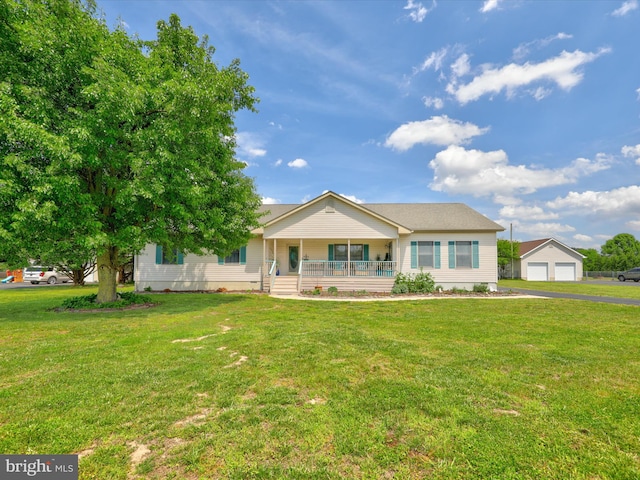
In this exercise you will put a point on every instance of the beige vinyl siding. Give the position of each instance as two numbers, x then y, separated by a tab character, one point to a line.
551	254
316	222
199	272
455	277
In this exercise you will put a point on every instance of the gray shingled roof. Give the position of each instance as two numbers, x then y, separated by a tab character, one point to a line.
414	216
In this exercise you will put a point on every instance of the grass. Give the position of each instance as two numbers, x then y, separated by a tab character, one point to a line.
246	386
615	289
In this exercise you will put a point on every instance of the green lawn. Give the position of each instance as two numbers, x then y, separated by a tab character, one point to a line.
615	289
245	386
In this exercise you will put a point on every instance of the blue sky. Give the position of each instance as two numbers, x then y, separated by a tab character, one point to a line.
528	111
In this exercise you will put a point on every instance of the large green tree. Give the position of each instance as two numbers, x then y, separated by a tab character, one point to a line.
114	142
621	252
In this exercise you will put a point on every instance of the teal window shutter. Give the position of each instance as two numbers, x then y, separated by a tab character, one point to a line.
180	258
243	255
220	260
158	254
436	254
331	252
452	254
365	252
414	254
475	254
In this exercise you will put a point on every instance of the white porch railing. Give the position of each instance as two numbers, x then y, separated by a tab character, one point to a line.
337	268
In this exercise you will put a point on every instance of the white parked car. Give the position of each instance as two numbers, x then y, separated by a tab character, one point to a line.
37	274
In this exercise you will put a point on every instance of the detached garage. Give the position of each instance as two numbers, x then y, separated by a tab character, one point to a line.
549	260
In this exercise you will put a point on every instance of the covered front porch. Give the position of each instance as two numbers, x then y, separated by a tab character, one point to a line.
347	264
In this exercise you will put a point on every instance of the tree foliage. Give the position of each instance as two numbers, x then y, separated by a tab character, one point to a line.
621	252
109	142
508	252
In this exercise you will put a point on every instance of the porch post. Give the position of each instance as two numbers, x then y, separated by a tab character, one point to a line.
300	258
348	257
397	253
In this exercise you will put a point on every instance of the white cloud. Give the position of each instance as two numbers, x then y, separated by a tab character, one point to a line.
434	60
638	92
625	8
434	102
618	203
544	230
524	212
278	163
461	66
633	224
461	171
540	93
489	5
270	201
522	50
298	163
506	200
250	145
562	70
632	152
536	230
438	130
583	238
417	11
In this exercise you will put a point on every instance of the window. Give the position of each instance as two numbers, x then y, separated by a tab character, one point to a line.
425	254
236	257
338	252
464	254
168	256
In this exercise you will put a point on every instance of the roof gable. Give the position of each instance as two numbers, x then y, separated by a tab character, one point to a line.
287	212
408	217
528	248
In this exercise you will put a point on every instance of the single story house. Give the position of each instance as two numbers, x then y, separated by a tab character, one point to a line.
548	259
332	241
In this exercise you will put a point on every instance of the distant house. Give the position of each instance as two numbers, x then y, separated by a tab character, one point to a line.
548	260
332	241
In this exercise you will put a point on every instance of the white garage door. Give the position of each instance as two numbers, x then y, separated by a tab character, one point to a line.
566	272
537	272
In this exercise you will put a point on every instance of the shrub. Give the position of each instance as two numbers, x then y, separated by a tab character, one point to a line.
481	288
89	301
332	290
420	283
423	283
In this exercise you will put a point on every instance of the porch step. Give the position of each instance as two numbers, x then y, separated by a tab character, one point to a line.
285	285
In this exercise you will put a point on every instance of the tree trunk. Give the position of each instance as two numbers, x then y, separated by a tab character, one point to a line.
107	275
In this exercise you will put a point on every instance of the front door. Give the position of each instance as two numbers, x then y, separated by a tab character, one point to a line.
293	258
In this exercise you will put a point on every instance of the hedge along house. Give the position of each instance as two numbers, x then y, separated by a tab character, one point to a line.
331	241
548	259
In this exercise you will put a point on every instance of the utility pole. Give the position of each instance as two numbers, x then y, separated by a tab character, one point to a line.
511	242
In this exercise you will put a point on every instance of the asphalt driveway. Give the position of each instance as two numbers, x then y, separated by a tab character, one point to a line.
573	296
